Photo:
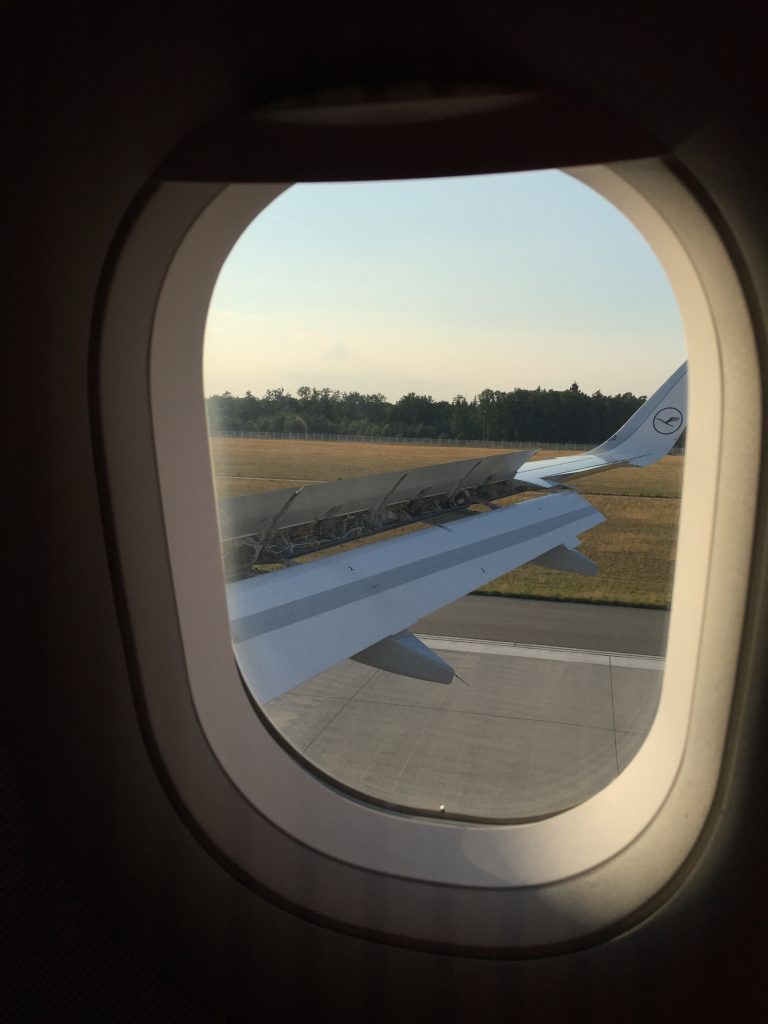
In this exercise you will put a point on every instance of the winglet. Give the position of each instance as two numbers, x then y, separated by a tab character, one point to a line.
653	430
647	436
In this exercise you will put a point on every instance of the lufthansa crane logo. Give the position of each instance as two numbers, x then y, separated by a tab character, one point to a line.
668	420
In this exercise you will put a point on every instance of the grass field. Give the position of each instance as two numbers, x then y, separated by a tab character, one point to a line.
634	548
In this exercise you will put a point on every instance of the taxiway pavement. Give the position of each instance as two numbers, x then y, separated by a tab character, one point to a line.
553	702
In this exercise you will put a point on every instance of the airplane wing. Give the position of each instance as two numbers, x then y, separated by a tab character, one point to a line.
289	625
294	623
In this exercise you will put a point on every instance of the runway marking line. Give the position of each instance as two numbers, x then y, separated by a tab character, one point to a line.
515	650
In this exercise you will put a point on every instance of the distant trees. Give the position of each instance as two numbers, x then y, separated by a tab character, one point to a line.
523	414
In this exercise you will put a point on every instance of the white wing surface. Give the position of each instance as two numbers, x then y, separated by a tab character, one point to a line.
291	624
647	436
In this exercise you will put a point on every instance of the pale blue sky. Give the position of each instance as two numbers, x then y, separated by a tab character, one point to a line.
442	287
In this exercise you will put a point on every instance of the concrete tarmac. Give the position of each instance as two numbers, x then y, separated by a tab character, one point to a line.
534	728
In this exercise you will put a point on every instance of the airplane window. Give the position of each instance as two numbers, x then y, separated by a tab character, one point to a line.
447	428
385	860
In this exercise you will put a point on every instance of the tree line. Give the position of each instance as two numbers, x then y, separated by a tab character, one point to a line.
524	414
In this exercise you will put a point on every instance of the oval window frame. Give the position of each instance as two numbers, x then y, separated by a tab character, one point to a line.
485	888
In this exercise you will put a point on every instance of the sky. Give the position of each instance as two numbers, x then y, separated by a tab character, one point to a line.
442	286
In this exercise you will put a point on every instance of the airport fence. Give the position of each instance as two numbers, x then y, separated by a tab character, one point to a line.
436	442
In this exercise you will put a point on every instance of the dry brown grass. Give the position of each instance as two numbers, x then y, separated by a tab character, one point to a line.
634	548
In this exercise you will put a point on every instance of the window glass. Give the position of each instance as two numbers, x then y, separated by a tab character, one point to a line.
390	370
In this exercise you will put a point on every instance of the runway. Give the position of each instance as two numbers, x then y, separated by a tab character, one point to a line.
533	729
552	624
